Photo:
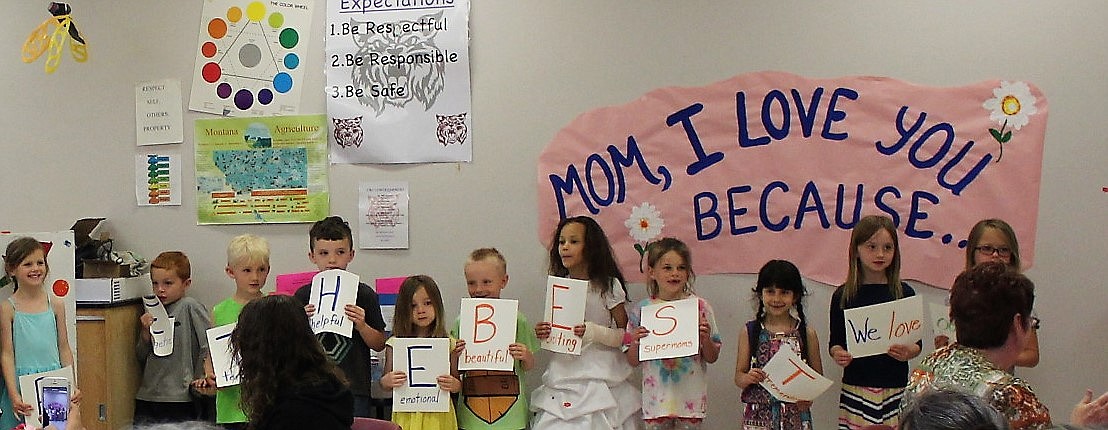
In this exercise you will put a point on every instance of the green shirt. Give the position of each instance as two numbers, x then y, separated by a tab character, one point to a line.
227	408
518	414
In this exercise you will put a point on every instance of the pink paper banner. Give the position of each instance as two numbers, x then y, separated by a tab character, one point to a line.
288	283
389	285
774	165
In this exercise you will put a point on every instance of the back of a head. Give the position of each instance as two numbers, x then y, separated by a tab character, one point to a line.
984	300
268	329
951	410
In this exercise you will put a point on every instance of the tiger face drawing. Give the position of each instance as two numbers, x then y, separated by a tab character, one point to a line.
348	131
417	77
452	129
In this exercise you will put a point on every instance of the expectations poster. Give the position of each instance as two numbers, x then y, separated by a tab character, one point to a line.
261	170
398	88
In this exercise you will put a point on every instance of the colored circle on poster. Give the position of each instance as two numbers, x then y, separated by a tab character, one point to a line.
217	28
223	90
289	38
282	82
255	11
234	14
208	49
276	20
250	55
244	99
265	96
211	72
61	288
292	61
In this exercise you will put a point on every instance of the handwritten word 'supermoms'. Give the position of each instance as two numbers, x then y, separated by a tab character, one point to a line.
674	330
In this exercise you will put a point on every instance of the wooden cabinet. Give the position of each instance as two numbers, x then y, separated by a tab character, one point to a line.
107	371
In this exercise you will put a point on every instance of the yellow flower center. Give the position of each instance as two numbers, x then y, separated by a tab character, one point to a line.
644	223
1010	105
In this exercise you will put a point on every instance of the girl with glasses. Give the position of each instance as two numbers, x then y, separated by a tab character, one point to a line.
993	240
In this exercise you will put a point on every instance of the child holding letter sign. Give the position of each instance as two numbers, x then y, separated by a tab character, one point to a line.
419	313
590	390
495	399
331	246
34	324
248	265
164	393
674	390
873	386
779	291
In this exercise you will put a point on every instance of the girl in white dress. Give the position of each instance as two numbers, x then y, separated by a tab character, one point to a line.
590	391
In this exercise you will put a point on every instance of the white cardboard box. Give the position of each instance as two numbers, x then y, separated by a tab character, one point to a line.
110	290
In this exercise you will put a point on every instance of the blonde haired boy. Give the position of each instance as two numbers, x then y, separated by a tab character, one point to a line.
495	399
248	266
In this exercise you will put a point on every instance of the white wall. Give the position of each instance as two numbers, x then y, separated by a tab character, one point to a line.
68	144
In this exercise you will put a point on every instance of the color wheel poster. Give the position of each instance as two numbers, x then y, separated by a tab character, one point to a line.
261	170
248	59
398	88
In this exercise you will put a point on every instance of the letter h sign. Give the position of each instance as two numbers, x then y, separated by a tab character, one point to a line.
331	291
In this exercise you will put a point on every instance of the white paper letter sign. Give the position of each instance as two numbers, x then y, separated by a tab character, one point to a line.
674	330
941	322
871	330
790	379
565	308
423	360
219	346
161	331
331	291
488	326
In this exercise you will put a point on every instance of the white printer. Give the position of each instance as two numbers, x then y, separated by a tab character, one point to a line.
110	290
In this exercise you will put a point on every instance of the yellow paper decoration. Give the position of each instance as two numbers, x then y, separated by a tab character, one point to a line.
44	38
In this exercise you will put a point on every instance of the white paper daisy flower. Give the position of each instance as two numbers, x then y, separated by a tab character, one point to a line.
1011	105
645	222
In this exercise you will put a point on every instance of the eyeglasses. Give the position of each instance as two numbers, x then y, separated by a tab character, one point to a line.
989	250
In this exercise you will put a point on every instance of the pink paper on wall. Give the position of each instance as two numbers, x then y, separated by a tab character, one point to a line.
772	165
389	285
288	283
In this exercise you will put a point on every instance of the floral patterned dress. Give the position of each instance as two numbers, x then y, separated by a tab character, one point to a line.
763	411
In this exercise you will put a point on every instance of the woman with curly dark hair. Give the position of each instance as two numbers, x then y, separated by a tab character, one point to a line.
286	379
